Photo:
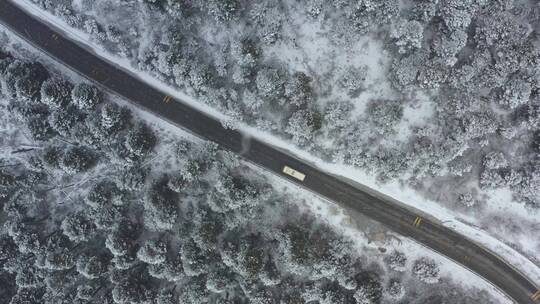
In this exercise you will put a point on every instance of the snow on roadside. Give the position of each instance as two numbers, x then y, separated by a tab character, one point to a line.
399	192
335	216
448	268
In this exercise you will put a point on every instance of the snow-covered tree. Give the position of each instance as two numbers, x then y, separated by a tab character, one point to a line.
104	192
202	77
246	51
369	290
395	290
87	291
160	207
208	226
426	270
107	217
78	228
56	93
384	114
514	93
408	35
270	83
244	255
8	249
298	89
195	260
495	160
220	279
57	259
424	11
40	129
27	296
25	238
23	79
177	183
397	261
133	179
337	115
131	290
529	188
171	270
235	192
499	28
492	179
447	46
78	159
466	199
457	14
152	252
125	261
194	292
302	125
121	241
27	278
114	118
92	267
86	97
404	71
166	297
140	140
268	20
222	10
352	79
64	122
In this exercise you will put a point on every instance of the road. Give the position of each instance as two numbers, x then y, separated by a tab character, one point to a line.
395	216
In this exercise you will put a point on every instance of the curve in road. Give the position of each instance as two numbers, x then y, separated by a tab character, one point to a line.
393	215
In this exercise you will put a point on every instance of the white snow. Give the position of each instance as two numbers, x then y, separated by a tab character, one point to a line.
336	217
401	193
415	114
449	268
341	222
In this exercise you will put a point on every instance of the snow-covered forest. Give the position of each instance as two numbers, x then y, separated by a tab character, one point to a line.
101	206
411	89
440	95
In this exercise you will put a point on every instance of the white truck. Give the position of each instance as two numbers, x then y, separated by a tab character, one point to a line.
294	173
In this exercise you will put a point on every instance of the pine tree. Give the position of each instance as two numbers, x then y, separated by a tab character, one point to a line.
86	97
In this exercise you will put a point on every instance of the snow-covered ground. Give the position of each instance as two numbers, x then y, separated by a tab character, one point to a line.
459	222
342	222
366	236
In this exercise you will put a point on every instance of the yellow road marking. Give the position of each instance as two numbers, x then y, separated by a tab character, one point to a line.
417	221
536	295
167	99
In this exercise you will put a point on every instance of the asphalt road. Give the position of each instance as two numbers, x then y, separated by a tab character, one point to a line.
390	213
